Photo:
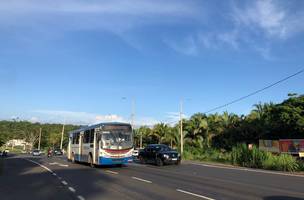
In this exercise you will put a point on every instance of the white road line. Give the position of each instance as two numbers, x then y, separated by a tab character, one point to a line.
64	182
53	163
112	172
140	179
53	173
72	189
59	177
37	163
248	170
80	197
193	194
62	165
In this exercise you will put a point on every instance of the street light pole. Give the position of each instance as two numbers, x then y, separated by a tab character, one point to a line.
133	117
181	128
62	132
39	138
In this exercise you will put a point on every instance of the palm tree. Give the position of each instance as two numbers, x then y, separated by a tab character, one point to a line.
144	132
197	129
160	131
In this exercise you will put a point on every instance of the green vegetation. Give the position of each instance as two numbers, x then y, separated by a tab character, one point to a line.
212	137
255	158
50	134
215	137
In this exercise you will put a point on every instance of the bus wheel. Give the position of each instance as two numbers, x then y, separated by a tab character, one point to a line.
73	158
90	161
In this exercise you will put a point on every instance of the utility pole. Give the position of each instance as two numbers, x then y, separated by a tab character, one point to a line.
40	129
62	136
133	120
181	128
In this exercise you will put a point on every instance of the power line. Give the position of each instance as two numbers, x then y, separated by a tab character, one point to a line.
255	92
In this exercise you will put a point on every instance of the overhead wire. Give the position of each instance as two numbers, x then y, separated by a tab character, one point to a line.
255	92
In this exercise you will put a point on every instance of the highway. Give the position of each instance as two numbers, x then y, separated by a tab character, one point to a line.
27	177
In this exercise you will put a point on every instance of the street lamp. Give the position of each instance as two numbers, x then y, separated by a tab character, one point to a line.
133	117
181	126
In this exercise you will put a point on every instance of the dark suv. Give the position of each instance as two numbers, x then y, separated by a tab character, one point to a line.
159	154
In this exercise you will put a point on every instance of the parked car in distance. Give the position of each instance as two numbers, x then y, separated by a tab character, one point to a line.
159	154
36	152
57	152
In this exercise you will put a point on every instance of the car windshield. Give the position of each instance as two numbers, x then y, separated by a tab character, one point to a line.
165	148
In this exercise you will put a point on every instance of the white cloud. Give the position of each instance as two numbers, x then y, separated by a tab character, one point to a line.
85	118
186	46
61	116
174	117
115	15
217	40
270	17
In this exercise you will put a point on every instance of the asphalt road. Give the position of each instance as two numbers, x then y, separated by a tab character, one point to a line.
27	177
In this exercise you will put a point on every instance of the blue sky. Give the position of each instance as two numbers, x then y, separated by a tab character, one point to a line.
74	61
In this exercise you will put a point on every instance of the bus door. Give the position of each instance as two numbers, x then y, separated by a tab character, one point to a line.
80	146
95	148
69	148
86	146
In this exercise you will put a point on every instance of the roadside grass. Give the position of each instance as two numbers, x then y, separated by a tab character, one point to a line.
244	157
209	155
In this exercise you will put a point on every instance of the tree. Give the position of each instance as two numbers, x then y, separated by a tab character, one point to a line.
197	130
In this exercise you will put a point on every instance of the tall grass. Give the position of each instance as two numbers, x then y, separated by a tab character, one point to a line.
256	158
242	156
206	154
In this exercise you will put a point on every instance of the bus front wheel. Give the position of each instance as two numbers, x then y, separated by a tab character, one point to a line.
73	158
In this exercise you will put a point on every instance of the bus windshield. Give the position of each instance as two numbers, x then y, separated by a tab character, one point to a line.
117	138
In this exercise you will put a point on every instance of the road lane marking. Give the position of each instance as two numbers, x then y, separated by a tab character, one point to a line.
112	172
72	189
193	194
80	197
140	179
248	170
37	163
56	163
54	174
64	182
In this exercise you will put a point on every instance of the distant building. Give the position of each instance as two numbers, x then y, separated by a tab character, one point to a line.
17	142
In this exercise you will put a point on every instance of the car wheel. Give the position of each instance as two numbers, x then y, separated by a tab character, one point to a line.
159	162
178	162
142	160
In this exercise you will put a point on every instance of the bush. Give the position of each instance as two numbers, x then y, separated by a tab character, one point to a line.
256	158
208	154
244	157
283	162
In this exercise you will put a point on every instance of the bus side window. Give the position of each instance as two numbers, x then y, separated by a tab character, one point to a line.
77	138
86	138
92	135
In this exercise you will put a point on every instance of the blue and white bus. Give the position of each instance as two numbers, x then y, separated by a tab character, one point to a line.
101	144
